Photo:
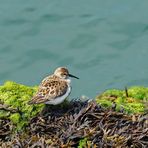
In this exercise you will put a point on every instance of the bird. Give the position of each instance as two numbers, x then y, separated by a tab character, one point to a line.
54	89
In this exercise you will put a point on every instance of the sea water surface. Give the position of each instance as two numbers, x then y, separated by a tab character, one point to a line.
103	42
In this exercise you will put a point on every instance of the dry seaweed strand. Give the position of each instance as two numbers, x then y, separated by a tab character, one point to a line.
65	127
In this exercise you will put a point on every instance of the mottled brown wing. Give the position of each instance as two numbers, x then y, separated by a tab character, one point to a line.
49	89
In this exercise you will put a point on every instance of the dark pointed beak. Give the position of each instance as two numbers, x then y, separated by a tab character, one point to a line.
70	75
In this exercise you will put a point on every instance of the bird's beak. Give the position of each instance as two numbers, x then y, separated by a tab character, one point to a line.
70	75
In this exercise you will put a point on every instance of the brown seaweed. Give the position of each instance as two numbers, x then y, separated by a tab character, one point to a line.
65	127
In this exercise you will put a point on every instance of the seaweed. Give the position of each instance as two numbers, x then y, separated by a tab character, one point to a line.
117	118
82	124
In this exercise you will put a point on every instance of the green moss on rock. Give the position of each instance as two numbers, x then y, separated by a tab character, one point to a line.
16	96
135	102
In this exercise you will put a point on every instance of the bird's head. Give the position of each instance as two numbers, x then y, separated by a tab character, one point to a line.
63	73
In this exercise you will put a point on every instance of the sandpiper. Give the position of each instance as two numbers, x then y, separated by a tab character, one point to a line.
54	89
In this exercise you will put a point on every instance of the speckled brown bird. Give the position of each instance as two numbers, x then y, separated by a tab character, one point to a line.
54	89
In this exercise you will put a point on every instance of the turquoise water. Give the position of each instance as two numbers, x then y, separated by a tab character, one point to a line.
105	43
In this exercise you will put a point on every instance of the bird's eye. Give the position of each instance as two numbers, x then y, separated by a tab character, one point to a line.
64	75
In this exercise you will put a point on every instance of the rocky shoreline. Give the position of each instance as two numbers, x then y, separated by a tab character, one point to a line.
116	118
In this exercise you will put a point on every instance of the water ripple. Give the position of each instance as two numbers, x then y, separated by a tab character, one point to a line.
53	18
82	40
120	45
16	21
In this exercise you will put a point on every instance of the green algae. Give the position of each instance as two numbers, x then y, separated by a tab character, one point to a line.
82	143
16	96
15	118
133	101
4	114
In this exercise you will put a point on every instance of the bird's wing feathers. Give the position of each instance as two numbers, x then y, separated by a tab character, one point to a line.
48	90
